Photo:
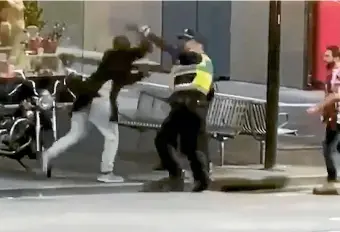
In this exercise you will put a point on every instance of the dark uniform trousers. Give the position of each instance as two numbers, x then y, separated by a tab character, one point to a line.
189	123
331	150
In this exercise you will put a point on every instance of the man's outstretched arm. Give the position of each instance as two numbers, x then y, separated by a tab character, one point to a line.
142	49
158	41
329	100
163	45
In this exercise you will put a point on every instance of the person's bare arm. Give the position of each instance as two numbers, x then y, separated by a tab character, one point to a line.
330	99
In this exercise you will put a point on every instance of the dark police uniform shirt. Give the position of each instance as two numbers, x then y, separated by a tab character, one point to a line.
180	57
116	65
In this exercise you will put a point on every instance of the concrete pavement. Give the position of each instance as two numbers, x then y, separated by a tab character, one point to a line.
182	212
16	182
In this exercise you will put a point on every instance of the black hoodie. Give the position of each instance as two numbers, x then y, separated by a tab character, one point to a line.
116	65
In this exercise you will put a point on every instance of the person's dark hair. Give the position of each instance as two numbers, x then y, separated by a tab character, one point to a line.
121	42
335	53
334	50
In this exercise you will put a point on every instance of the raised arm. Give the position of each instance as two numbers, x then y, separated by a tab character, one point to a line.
329	100
163	45
158	41
142	49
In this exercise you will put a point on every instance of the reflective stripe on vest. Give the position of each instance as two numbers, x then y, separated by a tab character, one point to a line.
203	79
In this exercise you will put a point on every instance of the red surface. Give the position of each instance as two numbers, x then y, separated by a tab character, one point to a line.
327	33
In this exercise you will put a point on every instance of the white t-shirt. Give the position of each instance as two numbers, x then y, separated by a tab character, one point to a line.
335	83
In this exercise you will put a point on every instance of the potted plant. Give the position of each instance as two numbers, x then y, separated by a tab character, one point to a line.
33	14
51	41
33	20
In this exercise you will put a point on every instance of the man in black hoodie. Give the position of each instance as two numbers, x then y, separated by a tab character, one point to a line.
174	51
116	65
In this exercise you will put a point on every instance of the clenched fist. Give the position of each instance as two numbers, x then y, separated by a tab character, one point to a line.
145	29
314	109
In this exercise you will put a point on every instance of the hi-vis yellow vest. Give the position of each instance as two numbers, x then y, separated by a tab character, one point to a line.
203	79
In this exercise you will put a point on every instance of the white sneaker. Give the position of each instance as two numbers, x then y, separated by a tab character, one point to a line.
45	160
110	178
211	170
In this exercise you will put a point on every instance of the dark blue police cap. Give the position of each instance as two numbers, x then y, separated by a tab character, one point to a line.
189	34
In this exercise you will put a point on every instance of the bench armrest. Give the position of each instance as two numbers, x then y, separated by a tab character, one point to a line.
164	99
285	120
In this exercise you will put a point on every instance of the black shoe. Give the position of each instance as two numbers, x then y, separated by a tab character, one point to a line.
176	184
201	186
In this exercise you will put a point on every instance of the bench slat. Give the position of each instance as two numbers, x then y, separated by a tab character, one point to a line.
226	116
258	111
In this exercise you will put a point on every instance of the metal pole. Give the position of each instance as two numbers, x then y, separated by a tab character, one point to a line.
273	83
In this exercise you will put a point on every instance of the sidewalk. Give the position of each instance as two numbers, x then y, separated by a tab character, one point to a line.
15	182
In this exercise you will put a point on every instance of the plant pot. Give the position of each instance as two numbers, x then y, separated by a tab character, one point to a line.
49	45
34	44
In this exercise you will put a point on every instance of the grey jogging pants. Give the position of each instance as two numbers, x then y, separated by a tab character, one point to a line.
98	113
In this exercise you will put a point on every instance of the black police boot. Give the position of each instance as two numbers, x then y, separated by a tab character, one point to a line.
176	184
201	185
202	173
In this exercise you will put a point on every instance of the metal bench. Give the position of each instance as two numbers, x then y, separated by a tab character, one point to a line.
225	117
225	120
149	115
255	125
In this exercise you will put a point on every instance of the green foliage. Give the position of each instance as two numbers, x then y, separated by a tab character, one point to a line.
33	14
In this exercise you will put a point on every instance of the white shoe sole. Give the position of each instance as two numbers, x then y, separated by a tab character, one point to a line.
104	180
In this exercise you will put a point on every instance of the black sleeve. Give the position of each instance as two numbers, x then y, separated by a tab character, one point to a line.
140	51
105	57
163	45
133	78
211	93
187	58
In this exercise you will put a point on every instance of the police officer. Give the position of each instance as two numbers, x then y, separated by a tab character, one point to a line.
193	85
174	51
